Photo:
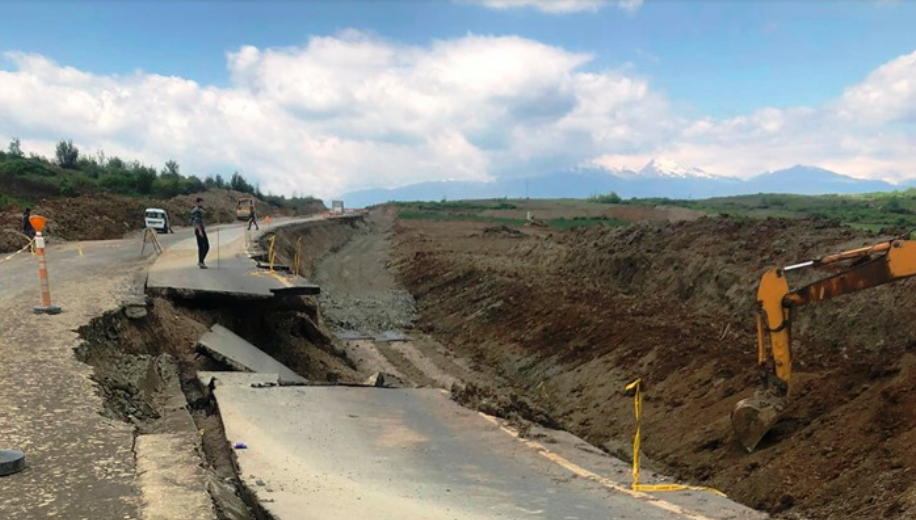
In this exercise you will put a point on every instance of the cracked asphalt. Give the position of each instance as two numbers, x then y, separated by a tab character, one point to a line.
80	465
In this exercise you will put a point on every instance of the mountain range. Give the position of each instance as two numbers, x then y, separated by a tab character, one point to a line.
659	178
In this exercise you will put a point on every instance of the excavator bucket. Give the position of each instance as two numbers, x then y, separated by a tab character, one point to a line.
753	417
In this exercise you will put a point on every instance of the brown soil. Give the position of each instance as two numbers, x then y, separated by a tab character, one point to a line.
569	318
547	210
104	216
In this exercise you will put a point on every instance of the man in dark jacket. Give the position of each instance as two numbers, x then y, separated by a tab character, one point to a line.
200	231
253	219
27	228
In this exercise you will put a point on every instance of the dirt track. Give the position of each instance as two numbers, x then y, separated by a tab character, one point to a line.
585	312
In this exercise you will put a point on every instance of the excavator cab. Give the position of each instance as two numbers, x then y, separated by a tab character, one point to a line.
872	266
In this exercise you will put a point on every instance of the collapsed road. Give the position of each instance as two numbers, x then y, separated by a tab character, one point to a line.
114	430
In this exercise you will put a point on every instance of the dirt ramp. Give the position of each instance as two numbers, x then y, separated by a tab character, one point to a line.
571	317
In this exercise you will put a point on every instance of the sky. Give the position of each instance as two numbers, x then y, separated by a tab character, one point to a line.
324	97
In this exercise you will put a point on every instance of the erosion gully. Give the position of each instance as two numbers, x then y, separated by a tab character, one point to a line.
146	354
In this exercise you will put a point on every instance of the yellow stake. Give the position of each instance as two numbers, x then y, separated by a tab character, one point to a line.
81	248
270	254
298	256
635	387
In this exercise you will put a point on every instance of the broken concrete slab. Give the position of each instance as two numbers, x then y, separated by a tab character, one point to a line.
231	271
228	348
386	454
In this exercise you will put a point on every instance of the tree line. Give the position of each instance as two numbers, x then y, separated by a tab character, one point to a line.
72	172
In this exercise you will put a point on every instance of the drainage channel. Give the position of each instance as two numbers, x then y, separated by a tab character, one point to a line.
146	358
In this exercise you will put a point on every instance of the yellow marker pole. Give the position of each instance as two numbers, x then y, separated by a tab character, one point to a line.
635	387
270	254
81	248
298	257
38	222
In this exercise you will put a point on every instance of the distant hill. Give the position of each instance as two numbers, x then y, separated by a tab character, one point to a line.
809	180
658	179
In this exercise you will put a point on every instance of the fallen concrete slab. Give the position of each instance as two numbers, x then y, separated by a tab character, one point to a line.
231	271
323	452
228	348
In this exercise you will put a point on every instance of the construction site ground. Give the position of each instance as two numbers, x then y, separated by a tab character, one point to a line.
539	326
556	323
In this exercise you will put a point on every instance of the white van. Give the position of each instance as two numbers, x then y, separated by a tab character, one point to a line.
158	219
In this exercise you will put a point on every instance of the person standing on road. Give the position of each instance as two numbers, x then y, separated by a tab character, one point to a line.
253	219
200	231
27	228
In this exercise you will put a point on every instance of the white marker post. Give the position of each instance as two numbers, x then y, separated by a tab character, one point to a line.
38	223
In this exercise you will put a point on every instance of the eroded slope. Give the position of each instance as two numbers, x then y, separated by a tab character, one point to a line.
571	317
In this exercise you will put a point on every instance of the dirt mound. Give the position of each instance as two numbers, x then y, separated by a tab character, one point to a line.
502	231
574	316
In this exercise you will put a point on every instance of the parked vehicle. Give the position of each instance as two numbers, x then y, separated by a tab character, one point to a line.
158	219
245	207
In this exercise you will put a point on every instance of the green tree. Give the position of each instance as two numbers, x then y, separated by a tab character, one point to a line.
145	179
238	183
171	169
166	187
15	149
220	182
115	164
192	184
89	166
608	198
67	154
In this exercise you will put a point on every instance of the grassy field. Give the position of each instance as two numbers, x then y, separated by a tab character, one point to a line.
871	211
507	212
892	211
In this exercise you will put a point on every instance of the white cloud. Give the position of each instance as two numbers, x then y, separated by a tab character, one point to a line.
353	111
341	113
560	6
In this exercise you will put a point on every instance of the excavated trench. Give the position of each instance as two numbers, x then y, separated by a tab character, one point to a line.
142	358
146	354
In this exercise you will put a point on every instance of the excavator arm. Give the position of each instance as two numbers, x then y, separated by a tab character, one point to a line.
872	266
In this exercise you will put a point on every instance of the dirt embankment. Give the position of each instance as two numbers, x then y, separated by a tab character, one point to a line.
585	312
104	216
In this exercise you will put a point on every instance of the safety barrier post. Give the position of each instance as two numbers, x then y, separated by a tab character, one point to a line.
270	253
298	257
38	223
635	389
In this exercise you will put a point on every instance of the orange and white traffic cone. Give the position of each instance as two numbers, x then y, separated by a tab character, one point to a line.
38	223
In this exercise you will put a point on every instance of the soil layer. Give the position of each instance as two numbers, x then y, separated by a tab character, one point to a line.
568	318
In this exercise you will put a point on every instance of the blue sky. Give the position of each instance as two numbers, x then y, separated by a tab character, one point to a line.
720	57
716	60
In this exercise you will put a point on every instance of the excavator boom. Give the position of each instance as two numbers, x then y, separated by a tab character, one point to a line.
754	416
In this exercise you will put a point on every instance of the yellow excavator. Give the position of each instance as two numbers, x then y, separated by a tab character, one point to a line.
871	266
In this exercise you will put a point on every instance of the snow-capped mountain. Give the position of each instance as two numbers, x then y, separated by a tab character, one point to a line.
659	178
665	168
